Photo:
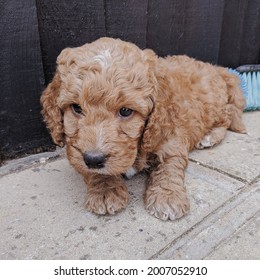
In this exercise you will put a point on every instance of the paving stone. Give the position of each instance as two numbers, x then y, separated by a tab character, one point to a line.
42	215
243	244
202	241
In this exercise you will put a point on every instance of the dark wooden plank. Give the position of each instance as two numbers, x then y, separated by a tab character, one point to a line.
203	29
127	20
166	26
21	80
232	32
67	24
191	27
250	43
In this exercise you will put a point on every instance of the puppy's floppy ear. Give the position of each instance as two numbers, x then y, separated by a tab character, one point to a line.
159	120
51	112
157	128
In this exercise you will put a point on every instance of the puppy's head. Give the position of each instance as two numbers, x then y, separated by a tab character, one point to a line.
98	104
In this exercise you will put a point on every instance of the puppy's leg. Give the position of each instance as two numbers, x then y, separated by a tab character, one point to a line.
105	194
211	139
166	197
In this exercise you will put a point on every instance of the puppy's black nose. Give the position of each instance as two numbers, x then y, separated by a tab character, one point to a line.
94	159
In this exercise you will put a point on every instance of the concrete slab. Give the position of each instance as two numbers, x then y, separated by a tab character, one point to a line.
42	215
238	154
244	243
202	240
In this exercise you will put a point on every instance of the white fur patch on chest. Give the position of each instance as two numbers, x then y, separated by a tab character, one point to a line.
130	173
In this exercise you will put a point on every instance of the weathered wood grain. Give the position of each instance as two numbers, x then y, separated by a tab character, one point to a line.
67	24
240	38
191	27
21	80
127	20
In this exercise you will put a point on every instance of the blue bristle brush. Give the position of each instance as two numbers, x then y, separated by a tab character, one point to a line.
250	83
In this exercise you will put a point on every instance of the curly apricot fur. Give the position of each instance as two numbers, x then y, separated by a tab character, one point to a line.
178	104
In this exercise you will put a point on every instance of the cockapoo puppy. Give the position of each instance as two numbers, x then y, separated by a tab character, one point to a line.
119	109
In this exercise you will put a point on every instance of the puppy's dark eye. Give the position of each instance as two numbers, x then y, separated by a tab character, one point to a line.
125	112
76	109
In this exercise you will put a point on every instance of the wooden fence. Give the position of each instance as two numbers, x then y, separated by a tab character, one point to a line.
33	32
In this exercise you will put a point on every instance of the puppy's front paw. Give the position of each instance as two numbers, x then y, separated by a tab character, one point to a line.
109	201
166	204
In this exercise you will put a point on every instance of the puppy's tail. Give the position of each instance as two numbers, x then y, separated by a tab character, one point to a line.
236	100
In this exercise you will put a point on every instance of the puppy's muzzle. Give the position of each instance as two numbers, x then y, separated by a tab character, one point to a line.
94	159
